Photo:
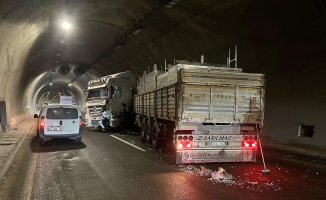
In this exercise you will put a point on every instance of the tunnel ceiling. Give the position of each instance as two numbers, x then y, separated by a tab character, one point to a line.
112	36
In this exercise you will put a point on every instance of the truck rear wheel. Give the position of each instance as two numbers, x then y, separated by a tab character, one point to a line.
157	141
143	128
148	132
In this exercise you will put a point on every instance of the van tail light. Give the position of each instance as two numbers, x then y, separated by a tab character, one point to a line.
80	120
42	124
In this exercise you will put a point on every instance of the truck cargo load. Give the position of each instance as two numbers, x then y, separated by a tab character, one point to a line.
66	100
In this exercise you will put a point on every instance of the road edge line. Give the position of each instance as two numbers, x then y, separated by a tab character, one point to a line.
141	149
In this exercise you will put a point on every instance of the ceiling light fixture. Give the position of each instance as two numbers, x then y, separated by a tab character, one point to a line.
137	31
66	25
172	3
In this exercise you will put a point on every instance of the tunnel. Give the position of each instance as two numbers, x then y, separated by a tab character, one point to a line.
41	59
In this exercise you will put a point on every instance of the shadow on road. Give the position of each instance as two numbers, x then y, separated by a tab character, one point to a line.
57	144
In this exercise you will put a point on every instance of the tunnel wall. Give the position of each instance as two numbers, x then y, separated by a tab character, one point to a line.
19	27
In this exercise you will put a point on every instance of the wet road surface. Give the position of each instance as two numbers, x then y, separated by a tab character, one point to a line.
114	166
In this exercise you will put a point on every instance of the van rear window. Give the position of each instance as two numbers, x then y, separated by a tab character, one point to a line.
62	113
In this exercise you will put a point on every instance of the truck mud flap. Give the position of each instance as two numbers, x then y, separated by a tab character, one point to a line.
215	156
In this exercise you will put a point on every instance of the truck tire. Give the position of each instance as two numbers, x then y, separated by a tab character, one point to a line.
157	140
148	132
143	128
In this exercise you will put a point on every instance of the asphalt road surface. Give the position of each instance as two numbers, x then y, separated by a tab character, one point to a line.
114	166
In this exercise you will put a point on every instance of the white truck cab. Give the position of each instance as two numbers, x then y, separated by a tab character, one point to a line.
107	94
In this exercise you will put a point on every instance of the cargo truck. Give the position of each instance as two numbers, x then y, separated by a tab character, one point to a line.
208	112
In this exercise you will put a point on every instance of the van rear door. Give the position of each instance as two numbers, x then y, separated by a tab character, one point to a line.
71	121
61	121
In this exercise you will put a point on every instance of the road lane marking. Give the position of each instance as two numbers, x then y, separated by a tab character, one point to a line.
128	143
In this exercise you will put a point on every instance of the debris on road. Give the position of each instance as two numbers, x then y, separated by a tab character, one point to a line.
252	180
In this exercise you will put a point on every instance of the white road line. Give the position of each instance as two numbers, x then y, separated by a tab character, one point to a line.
128	143
28	185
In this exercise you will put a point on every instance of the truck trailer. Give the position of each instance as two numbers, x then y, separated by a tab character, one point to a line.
208	112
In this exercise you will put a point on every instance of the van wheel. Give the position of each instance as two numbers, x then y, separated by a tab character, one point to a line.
40	141
78	140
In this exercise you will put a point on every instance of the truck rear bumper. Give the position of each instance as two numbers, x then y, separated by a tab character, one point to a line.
220	155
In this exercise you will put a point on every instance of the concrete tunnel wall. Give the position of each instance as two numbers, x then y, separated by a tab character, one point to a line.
284	40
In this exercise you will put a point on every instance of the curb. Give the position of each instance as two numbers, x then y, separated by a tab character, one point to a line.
9	159
296	153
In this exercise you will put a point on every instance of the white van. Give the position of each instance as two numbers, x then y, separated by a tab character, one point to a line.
59	121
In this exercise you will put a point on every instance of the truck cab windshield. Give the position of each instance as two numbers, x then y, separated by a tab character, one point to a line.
97	93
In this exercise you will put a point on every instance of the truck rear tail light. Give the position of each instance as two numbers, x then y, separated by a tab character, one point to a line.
184	144
185	138
42	124
249	143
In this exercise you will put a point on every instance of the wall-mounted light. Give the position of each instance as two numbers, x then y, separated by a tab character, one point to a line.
69	84
50	83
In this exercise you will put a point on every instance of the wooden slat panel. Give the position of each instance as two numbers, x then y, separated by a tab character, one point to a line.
215	77
196	101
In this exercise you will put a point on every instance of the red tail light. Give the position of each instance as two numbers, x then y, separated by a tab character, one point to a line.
184	144
249	143
184	141
80	120
42	124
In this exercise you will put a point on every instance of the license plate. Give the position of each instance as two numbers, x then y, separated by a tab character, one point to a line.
95	122
54	128
215	143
